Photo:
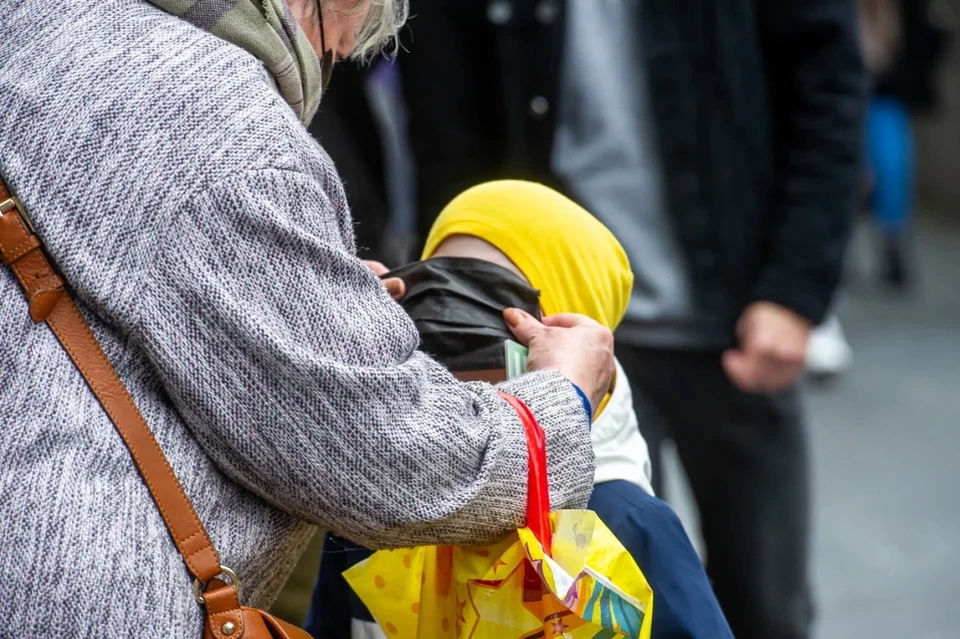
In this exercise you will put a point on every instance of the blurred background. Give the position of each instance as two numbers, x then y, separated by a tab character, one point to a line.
884	390
938	135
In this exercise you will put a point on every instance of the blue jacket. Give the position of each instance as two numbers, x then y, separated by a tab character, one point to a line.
684	606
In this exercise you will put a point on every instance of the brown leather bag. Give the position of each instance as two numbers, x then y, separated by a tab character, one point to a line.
216	587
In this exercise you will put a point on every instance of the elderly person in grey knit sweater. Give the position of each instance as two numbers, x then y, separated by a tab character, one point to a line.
160	149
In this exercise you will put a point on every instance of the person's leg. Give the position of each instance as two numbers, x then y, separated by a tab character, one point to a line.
891	155
293	600
684	605
652	426
746	457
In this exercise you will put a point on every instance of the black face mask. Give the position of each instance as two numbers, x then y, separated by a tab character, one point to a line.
457	304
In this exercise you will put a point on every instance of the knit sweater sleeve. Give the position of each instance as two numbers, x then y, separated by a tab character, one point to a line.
300	378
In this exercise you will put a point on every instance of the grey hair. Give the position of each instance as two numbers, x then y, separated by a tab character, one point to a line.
379	31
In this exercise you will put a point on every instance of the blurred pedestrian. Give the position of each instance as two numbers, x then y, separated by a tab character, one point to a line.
903	41
720	142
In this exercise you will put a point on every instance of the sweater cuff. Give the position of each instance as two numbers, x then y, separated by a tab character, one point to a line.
559	410
586	402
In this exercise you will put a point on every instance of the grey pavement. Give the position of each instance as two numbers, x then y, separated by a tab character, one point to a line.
885	439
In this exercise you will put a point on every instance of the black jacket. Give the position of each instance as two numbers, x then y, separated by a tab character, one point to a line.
758	105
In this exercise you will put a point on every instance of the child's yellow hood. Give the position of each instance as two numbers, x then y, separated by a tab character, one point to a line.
562	250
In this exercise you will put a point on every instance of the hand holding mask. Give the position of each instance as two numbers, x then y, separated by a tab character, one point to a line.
574	345
458	307
393	285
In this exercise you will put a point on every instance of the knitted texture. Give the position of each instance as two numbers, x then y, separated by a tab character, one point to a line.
268	30
207	239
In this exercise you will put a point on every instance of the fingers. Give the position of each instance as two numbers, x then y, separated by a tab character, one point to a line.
568	320
758	371
377	267
395	287
572	320
780	361
743	371
523	325
773	348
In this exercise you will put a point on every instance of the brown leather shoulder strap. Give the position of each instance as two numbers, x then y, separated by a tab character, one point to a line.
21	249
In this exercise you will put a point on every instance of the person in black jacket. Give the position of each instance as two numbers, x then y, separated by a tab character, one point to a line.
720	141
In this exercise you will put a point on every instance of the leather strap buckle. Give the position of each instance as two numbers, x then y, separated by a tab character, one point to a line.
12	203
198	587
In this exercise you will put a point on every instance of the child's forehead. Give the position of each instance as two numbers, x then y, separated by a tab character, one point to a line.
476	248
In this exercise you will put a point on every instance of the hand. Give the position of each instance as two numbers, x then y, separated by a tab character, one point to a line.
576	346
773	349
395	285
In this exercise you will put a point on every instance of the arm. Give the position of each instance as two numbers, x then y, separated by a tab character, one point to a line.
818	96
300	378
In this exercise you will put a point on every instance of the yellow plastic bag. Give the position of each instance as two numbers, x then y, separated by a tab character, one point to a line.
565	575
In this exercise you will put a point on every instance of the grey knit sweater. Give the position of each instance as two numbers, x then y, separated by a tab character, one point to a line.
208	241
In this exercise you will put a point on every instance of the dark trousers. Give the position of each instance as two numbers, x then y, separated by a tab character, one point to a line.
746	458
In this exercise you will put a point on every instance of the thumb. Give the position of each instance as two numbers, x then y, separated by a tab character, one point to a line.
743	369
395	287
736	365
377	267
524	326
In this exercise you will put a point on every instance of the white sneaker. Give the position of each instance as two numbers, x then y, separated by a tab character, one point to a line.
828	353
